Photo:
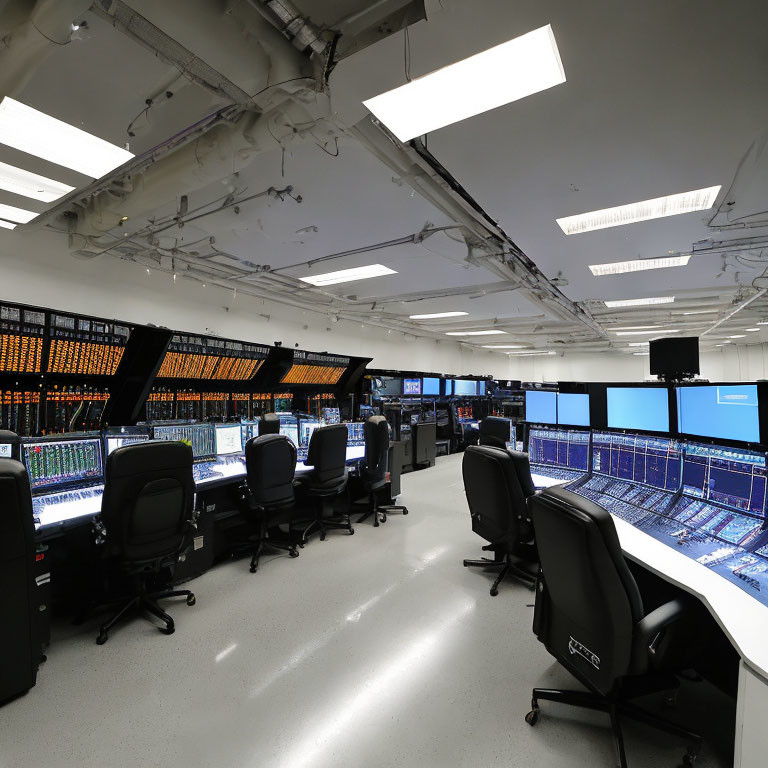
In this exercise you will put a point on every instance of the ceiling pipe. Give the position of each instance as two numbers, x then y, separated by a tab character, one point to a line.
27	41
741	306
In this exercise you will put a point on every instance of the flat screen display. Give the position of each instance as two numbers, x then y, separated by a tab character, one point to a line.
390	387
465	387
5	451
411	386
118	441
642	408
541	407
726	412
306	428
480	387
573	409
431	386
291	431
229	439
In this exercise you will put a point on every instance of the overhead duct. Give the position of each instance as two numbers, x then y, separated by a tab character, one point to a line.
28	39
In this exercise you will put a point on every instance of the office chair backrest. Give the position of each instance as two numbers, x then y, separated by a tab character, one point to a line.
496	500
270	461
269	424
148	496
22	651
327	452
494	431
376	432
522	466
588	601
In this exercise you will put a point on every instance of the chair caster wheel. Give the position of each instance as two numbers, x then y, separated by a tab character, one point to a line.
375	523
102	638
169	630
405	511
689	758
191	600
532	717
383	519
494	592
253	568
293	553
351	531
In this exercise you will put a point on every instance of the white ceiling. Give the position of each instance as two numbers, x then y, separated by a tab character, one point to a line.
660	98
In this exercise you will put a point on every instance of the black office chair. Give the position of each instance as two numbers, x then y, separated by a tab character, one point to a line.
327	455
21	649
147	513
269	424
494	431
497	504
270	462
589	614
374	471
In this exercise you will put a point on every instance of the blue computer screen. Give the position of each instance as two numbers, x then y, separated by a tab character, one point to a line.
637	458
559	448
728	412
642	408
729	476
411	386
573	409
480	387
541	407
464	387
430	386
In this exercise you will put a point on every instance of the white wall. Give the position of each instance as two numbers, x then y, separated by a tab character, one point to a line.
36	268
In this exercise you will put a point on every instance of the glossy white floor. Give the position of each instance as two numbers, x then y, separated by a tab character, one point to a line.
371	651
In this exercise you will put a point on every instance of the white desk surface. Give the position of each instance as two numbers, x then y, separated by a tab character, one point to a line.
743	619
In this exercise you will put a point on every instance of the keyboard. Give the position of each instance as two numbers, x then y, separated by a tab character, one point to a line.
63	506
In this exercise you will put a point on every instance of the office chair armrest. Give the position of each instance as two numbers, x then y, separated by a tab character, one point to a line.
650	627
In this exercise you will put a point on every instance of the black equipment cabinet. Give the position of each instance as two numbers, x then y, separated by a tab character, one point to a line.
424	446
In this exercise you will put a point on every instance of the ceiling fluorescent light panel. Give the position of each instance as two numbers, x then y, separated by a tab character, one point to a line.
659	207
437	315
31	131
7	225
27	184
348	275
638	265
16	215
474	333
502	74
640	302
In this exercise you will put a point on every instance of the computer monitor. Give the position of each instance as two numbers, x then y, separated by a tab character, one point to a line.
733	477
430	386
331	415
481	387
540	407
636	458
229	439
390	387
641	408
727	412
249	430
289	426
464	387
355	431
306	428
6	451
567	448
199	436
118	441
411	386
60	462
573	409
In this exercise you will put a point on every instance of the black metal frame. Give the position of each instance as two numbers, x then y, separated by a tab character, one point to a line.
502	560
616	707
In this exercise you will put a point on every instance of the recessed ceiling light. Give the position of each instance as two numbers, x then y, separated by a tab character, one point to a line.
474	333
7	224
436	315
751	329
503	346
671	205
702	312
638	343
640	302
502	74
644	333
41	135
636	327
720	345
27	184
642	354
638	265
737	336
533	353
348	275
17	215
